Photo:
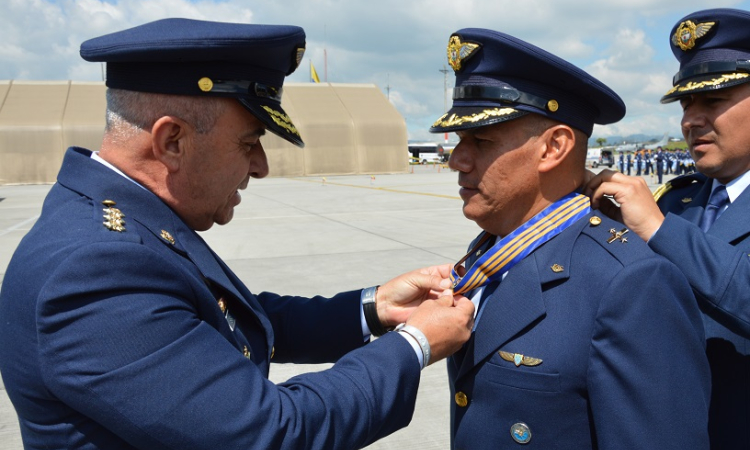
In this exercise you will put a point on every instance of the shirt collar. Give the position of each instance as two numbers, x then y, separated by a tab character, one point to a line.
735	187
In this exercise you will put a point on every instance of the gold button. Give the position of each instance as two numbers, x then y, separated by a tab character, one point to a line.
595	220
552	105
557	268
246	352
461	399
205	84
108	203
222	305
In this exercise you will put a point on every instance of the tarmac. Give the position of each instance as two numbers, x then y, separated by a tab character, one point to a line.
317	235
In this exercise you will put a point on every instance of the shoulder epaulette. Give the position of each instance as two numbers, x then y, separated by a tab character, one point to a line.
676	183
661	190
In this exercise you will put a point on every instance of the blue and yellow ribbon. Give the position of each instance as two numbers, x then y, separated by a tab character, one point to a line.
520	243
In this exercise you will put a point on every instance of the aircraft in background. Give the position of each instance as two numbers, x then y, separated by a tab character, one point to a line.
633	147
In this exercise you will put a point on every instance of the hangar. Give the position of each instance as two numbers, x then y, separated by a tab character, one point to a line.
347	129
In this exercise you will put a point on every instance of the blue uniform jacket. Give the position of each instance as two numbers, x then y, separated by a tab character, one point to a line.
621	345
718	268
115	340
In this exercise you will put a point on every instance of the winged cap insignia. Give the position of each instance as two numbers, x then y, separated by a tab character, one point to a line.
688	32
518	359
458	52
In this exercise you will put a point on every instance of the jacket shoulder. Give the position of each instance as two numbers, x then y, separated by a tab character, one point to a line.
616	239
677	184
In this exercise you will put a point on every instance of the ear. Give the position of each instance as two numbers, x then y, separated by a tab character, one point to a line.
559	142
169	136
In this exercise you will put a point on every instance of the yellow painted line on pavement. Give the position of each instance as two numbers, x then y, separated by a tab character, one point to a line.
398	191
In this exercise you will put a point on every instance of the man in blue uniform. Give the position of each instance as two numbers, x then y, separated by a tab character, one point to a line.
659	160
701	221
630	161
120	328
638	162
566	354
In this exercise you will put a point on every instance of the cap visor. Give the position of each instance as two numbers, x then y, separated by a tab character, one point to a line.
466	117
707	82
276	119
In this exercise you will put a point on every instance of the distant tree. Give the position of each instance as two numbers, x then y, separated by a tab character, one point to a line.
601	141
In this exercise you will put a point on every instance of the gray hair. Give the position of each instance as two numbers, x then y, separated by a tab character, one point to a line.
130	112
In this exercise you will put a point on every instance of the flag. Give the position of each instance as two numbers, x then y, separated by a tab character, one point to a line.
313	74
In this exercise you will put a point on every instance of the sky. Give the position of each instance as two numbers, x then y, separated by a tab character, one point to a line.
397	45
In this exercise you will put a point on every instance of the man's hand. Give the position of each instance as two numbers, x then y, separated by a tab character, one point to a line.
397	299
446	323
637	210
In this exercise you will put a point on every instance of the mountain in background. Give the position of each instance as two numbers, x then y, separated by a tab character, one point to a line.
630	139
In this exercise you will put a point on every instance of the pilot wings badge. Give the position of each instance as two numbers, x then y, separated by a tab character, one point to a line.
688	32
458	52
518	359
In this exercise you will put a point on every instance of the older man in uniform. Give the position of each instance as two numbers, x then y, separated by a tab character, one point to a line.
565	353
701	221
120	328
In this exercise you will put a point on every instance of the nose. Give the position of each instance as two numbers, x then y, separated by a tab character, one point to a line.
460	159
258	162
692	117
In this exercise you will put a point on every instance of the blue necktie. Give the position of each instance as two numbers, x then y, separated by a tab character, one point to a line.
719	198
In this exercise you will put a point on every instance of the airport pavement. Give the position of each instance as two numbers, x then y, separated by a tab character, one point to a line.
317	235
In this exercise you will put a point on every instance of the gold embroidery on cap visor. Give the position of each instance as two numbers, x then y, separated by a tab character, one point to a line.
459	51
687	33
281	120
298	55
454	120
691	86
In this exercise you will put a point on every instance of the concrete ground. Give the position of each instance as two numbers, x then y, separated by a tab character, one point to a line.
317	235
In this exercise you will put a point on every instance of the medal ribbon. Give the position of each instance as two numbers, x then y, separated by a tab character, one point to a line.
514	247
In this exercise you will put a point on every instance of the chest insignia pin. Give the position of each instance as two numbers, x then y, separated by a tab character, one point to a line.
617	235
519	359
113	217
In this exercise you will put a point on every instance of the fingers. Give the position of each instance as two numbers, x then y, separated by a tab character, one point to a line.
444	270
594	182
464	304
445	300
615	185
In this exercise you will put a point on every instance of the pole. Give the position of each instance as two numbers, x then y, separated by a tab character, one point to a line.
445	87
445	93
325	56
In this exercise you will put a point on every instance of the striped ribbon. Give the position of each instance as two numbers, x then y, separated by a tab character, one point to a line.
525	239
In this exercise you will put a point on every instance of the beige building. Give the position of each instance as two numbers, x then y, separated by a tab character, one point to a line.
347	129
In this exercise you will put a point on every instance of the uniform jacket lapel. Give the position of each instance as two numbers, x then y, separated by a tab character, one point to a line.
732	226
692	210
517	302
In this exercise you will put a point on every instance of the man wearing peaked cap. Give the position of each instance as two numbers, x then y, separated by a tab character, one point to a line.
206	59
565	353
122	329
701	221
